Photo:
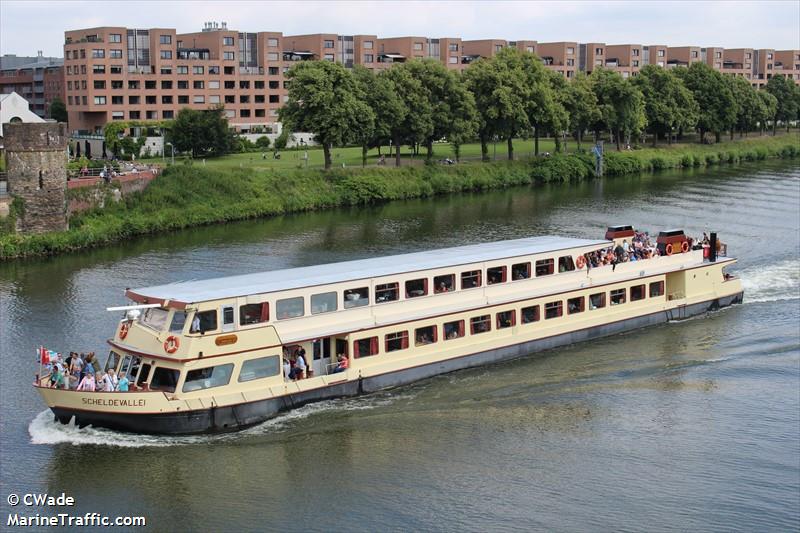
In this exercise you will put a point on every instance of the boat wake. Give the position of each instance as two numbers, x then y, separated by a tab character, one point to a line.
44	430
776	282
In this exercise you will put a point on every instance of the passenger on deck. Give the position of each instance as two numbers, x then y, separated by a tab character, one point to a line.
299	370
342	365
287	368
87	383
57	378
110	381
195	328
122	383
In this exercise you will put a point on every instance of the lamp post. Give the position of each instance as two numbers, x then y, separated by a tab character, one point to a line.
172	149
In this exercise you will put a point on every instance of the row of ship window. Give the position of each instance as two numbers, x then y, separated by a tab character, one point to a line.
504	319
166	379
328	302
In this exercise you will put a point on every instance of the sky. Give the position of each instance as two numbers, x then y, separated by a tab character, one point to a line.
28	26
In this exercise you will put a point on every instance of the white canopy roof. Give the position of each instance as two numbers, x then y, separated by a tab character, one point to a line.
294	278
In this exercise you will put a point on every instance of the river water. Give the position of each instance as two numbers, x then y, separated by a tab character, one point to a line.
693	425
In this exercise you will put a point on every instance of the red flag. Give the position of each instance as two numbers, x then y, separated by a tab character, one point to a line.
43	355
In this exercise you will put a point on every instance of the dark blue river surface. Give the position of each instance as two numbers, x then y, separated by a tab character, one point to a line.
692	425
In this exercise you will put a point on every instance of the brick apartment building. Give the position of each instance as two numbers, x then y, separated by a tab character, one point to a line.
38	79
117	73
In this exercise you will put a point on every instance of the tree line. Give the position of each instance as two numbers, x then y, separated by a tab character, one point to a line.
513	95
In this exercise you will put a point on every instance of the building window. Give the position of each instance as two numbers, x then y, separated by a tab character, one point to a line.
150	100
356	297
99	84
426	335
598	62
289	308
506	319
214	84
228	56
544	267
150	84
263	367
183	69
453	47
635	62
253	313
597	301
529	49
244	84
453	330
661	53
258	84
273	56
115	54
244	113
135	115
98	69
227	41
214	70
230	84
566	264
69	85
530	314
471	279
166	54
656	289
272	42
207	378
117	100
598	51
259	99
570	50
69	100
637	293
183	98
197	69
416	287
166	99
274	84
98	53
387	292
618	296
480	324
748	55
369	58
183	84
570	62
273	71
365	347
553	310
694	53
199	99
166	84
367	45
328	57
133	100
396	341
328	44
575	305
635	52
213	99
165	39
417	46
769	56
445	283
495	275
229	71
117	115
100	100
198	84
230	99
115	38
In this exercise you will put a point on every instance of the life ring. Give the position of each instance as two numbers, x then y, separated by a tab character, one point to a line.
171	344
685	247
668	249
580	261
123	329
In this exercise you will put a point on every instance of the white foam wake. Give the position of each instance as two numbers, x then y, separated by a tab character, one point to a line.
772	282
43	429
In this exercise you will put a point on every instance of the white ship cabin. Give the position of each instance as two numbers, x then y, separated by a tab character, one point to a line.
317	308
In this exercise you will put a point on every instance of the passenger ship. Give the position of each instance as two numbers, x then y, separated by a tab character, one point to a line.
395	319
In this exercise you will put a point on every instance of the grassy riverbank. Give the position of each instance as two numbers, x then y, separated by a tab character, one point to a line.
191	195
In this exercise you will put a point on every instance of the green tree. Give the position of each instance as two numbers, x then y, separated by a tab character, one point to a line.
786	93
621	104
668	104
502	95
58	110
581	105
452	105
263	142
325	99
414	120
550	111
713	96
750	107
381	97
202	132
770	106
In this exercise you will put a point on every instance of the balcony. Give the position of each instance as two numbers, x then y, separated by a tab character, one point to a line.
188	54
466	60
391	58
298	56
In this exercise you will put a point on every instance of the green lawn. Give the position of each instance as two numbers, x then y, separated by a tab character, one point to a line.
351	157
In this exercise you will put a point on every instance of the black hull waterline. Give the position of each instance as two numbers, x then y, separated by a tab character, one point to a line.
240	416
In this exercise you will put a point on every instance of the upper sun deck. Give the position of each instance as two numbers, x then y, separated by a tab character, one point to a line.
281	280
